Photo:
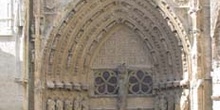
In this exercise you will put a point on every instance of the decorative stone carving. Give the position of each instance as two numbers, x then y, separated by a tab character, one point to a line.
50	85
171	99
77	86
123	83
59	105
51	104
68	86
32	56
185	100
52	55
133	82
59	85
171	84
140	19
77	102
163	103
157	103
84	103
80	103
69	59
84	87
68	105
177	100
131	8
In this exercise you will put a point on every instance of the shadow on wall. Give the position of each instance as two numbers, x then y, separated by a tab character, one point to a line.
8	64
10	92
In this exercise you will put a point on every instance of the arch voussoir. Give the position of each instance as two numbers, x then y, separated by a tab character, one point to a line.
74	43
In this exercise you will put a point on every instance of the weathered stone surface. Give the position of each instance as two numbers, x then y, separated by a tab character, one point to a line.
10	91
76	46
103	35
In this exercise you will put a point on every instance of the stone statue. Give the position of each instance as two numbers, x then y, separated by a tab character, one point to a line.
84	104
77	103
163	103
157	103
122	96
68	105
51	104
59	105
185	100
177	101
171	101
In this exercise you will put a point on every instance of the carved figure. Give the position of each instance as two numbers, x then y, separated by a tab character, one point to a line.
177	101
163	103
68	105
59	105
69	59
122	96
77	103
32	55
157	103
185	100
171	101
52	54
51	104
84	104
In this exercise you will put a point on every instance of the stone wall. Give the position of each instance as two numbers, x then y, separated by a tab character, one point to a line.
11	95
215	7
51	12
11	53
11	92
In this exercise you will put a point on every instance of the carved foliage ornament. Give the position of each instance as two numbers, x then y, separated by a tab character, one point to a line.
77	103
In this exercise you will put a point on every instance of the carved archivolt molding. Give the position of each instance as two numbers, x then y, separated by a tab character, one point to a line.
72	44
216	51
77	37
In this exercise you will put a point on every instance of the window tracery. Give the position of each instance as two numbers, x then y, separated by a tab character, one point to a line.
106	82
138	82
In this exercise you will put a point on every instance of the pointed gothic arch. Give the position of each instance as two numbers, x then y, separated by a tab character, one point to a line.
74	43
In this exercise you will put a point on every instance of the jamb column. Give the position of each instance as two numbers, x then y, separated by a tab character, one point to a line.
38	84
201	57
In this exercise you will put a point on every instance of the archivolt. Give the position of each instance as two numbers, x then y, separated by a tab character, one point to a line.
216	25
73	43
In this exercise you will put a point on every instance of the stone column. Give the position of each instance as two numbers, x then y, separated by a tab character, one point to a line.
38	80
28	58
122	96
201	55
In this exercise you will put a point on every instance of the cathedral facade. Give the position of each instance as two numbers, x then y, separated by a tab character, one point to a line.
120	54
